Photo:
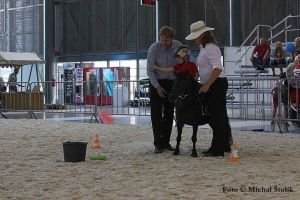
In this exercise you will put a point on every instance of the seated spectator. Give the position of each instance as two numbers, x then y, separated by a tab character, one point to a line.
283	87
260	56
278	58
294	50
297	46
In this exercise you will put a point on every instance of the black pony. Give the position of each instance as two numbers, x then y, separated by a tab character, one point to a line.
189	105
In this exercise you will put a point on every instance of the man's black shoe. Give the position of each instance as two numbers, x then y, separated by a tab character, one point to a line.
169	147
158	150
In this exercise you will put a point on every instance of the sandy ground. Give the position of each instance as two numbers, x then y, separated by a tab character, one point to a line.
32	165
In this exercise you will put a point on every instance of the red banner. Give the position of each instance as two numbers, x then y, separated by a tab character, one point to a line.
148	2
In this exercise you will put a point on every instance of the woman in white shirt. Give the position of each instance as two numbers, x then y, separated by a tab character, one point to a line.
215	85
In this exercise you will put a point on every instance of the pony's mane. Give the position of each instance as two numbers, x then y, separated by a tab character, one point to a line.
184	83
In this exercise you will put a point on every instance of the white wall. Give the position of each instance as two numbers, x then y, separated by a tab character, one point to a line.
232	57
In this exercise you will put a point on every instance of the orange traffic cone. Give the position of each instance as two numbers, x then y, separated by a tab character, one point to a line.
95	143
234	156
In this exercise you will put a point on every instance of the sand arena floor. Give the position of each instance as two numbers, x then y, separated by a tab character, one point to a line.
32	165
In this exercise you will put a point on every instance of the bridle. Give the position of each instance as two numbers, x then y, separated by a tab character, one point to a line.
188	90
181	97
184	94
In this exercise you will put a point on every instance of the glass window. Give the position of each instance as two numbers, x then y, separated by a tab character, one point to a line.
143	69
132	65
100	63
114	63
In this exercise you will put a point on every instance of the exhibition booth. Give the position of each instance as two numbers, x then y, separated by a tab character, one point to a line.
25	97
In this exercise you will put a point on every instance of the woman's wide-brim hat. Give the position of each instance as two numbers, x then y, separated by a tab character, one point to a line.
197	29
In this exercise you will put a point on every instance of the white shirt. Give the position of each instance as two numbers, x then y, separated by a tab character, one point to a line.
208	59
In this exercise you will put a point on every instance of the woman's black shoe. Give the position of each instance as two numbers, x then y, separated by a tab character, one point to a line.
227	150
207	151
214	154
168	147
158	150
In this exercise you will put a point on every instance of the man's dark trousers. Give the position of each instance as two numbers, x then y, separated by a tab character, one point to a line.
162	114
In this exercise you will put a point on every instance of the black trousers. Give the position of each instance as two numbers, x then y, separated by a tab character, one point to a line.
162	114
216	100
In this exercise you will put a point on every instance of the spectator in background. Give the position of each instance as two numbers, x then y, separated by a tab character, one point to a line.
2	89
293	50
2	85
12	80
281	87
293	72
297	47
290	68
278	58
260	56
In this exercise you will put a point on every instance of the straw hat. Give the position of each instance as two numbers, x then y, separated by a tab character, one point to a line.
197	29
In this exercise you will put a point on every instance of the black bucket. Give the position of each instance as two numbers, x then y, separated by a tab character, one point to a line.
74	151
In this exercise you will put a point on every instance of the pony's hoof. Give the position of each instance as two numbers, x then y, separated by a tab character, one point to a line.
176	153
194	155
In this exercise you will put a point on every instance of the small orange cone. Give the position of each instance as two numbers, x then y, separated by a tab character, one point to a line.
234	156
95	143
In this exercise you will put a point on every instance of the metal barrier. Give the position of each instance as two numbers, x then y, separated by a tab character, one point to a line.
251	98
25	100
248	98
74	97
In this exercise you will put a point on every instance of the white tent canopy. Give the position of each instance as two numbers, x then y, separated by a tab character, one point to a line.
18	59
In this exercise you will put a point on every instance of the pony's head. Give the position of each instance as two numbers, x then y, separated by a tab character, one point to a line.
183	85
